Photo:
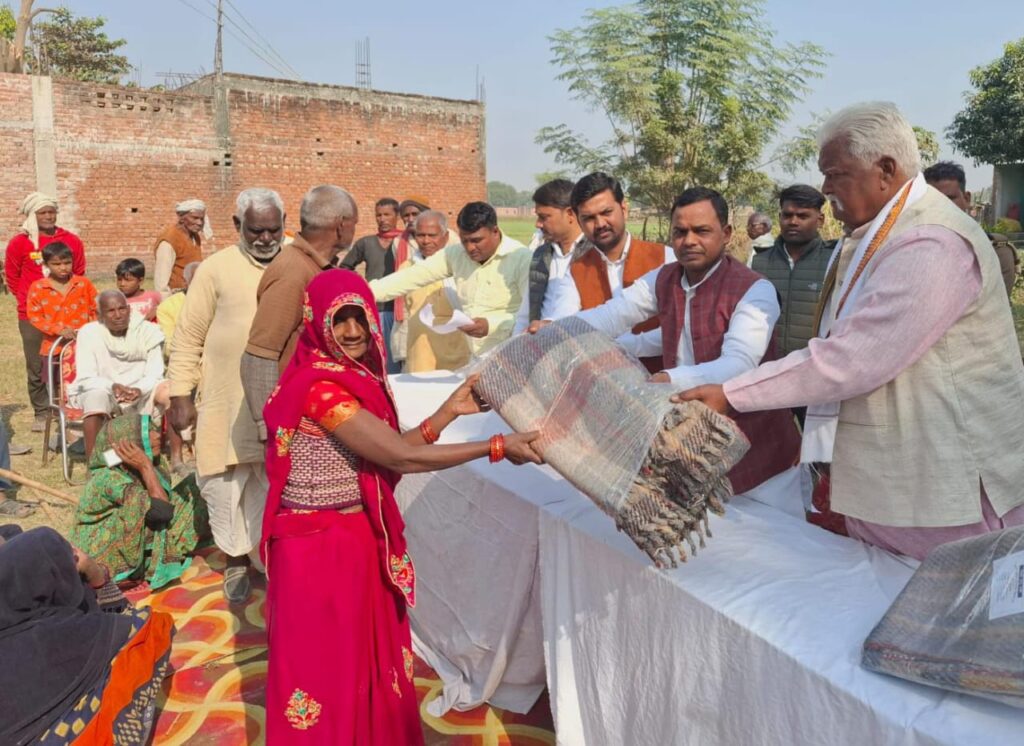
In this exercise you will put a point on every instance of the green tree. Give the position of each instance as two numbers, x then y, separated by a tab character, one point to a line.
14	30
928	145
692	90
8	23
501	194
76	47
989	129
545	176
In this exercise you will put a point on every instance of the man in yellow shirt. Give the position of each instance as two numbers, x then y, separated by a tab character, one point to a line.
490	272
169	310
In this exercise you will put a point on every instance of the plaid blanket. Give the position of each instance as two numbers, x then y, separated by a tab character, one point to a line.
655	467
938	631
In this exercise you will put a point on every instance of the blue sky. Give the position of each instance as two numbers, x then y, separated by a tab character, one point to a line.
916	54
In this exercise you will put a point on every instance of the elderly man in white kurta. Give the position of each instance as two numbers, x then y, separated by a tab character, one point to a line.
206	355
914	385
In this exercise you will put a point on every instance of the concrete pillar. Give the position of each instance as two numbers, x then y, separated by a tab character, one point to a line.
42	134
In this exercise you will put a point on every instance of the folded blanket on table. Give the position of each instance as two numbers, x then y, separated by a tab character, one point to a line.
939	630
655	467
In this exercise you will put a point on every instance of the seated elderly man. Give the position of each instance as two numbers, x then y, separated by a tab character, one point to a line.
119	367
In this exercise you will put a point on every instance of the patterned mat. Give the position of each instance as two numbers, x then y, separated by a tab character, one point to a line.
219	657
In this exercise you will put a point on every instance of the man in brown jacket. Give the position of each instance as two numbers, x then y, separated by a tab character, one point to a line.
328	218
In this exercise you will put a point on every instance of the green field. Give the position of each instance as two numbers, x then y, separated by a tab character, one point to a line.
522	229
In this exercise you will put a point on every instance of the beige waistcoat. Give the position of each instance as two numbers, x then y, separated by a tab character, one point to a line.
912	452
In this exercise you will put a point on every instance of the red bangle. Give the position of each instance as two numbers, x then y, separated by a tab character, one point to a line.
497	448
429	436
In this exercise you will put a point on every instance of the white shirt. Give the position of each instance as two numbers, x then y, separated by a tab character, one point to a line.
559	268
746	340
97	368
565	299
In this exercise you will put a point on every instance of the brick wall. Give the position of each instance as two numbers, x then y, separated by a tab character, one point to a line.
125	156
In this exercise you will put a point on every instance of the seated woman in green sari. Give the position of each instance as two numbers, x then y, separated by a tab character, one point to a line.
130	518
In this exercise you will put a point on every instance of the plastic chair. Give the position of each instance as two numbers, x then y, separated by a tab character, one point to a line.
60	372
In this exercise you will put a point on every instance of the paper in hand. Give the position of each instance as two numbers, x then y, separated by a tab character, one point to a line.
458	319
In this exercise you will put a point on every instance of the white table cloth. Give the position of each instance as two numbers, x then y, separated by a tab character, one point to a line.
754	641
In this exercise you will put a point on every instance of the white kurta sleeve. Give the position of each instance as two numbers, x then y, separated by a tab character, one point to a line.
87	362
523	314
746	341
162	268
414	277
153	372
637	303
645	344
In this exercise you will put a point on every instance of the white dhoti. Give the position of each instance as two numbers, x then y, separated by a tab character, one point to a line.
235	499
100	399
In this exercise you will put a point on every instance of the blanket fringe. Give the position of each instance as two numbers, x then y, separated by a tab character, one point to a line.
682	478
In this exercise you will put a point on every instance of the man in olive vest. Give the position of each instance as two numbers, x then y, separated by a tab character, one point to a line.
914	384
796	264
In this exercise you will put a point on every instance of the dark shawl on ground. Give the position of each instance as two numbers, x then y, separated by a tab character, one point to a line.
55	643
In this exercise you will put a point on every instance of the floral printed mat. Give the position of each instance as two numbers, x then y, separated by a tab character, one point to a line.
219	657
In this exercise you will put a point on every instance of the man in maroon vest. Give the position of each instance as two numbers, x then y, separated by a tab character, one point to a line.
717	317
613	258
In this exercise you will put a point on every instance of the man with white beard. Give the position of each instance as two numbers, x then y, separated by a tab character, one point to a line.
205	361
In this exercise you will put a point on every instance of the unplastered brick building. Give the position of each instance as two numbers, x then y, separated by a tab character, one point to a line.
118	158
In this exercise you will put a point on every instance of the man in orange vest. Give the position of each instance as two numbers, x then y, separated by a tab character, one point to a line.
612	259
178	245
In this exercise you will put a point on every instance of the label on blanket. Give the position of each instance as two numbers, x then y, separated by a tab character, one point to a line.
1007	593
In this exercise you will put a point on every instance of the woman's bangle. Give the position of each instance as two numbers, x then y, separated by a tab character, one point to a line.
497	448
429	436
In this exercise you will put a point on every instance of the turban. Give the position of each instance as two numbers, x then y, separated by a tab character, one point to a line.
416	201
196	205
32	204
190	205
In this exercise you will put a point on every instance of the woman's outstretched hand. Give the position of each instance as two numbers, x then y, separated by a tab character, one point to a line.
519	448
464	400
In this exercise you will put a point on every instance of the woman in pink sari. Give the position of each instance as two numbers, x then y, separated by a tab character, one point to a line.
339	576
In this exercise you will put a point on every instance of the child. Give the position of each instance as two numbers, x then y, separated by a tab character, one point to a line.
59	305
130	274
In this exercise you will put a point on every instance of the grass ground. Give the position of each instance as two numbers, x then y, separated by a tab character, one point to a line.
15	410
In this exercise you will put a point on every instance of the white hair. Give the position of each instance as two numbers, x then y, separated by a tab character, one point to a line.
437	215
324	204
259	198
104	295
873	130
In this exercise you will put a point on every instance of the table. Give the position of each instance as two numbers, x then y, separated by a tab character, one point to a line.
756	640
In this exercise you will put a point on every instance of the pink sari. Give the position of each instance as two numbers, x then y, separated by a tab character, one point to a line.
340	669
